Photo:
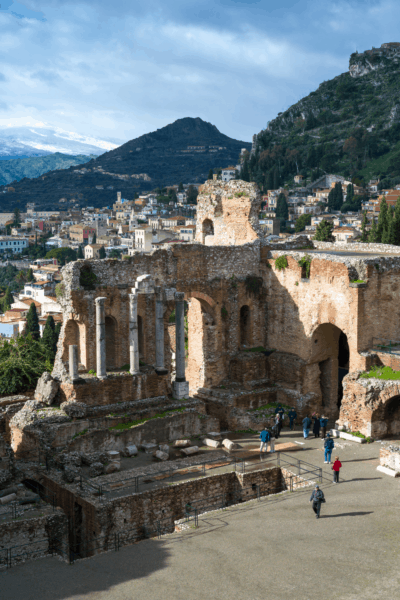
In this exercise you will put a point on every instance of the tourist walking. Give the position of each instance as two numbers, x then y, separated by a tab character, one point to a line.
272	432
280	410
317	497
328	446
306	426
264	437
292	414
278	424
316	425
323	422
336	468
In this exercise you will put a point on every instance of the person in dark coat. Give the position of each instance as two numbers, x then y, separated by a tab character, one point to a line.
317	497
292	414
316	425
280	411
278	424
324	423
329	445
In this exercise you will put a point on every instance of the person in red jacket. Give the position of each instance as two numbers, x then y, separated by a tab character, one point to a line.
336	468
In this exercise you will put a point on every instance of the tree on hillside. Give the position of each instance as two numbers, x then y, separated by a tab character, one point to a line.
245	171
49	337
115	253
364	232
373	233
7	300
32	323
324	232
335	197
180	186
382	219
63	255
396	221
277	179
301	223
17	217
80	253
282	209
102	252
94	238
192	194
29	276
210	174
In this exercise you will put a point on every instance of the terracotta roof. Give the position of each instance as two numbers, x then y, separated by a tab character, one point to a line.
29	301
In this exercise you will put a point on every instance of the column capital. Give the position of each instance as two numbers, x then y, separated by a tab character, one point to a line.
100	300
179	296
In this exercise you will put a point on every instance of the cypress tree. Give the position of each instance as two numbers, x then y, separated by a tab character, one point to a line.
350	193
210	175
276	179
373	234
94	238
102	252
282	209
270	182
29	275
57	331
32	323
364	236
339	195
245	172
396	220
7	300
80	253
382	219
49	336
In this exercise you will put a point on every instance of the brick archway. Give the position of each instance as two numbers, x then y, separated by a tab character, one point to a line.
200	296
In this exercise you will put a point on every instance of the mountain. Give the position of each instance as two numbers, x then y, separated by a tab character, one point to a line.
18	168
350	126
183	151
40	139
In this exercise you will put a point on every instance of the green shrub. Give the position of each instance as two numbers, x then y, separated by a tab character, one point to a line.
281	263
305	262
60	290
87	279
253	285
22	362
357	281
382	372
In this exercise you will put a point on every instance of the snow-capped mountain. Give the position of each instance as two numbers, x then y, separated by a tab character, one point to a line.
39	139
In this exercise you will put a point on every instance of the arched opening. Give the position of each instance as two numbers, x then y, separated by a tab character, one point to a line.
141	337
245	327
385	421
208	229
110	343
330	349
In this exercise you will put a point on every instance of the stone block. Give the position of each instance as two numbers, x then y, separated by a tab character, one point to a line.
5	476
112	467
161	455
76	410
335	433
211	443
190	451
214	435
46	389
113	455
352	438
94	457
164	448
180	389
131	450
69	474
388	471
181	443
229	445
149	447
96	469
8	499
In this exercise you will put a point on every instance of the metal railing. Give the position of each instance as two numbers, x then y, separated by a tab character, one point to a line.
385	345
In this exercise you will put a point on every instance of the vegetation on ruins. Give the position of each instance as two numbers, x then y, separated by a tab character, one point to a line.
87	279
60	290
381	372
281	263
22	361
253	285
324	232
123	426
305	262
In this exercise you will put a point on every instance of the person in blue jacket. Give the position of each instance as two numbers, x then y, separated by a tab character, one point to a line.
306	426
292	414
317	497
328	446
279	409
324	423
265	438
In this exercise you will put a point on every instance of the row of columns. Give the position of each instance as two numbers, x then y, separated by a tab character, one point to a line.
180	385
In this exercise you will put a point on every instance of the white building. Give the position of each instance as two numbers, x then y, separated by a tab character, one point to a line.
228	174
14	245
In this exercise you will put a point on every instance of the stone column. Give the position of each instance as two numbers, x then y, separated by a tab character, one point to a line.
73	362
101	338
160	369
133	335
180	386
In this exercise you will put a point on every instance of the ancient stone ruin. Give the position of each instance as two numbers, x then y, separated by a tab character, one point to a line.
162	350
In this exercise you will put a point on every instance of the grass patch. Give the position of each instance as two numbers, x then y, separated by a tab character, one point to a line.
361	435
357	281
381	373
123	426
80	433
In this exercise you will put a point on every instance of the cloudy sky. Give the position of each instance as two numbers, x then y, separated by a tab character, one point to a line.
115	69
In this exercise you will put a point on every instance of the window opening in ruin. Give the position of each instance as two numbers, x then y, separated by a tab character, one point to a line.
325	367
208	228
110	343
391	415
71	338
76	529
245	326
343	359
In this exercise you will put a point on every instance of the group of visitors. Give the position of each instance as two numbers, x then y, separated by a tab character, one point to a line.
272	431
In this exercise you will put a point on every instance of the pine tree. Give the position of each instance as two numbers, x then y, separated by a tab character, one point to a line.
385	235
29	275
373	234
80	252
49	336
102	252
364	236
382	219
7	300
323	232
32	323
210	174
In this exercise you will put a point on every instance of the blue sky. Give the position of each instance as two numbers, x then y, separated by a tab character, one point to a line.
117	69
